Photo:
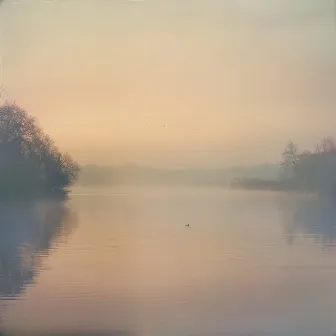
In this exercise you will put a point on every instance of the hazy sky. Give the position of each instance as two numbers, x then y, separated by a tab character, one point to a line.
178	82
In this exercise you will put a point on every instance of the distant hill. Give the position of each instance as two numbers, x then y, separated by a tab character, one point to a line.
92	175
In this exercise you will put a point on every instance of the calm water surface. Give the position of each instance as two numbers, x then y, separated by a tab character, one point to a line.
123	260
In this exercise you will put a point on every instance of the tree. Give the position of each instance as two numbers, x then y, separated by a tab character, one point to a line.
290	158
327	144
317	171
30	162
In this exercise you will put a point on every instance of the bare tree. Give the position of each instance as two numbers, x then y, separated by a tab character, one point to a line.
328	144
29	160
290	158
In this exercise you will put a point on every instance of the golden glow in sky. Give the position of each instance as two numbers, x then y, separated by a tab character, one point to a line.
172	82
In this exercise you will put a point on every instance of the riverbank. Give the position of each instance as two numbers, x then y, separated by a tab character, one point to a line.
262	184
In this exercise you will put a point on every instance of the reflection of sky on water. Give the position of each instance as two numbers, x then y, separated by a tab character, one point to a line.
133	265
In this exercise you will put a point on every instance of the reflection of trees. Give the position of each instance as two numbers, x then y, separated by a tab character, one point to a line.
28	232
311	217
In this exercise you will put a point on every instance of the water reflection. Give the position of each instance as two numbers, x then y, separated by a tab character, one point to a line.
28	232
310	217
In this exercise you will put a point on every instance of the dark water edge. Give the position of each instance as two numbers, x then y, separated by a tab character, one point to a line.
72	333
53	195
327	196
326	191
275	188
263	184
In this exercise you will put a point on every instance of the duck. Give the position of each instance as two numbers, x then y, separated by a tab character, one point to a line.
187	225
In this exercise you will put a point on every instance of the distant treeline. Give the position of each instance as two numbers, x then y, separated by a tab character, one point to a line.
92	175
308	171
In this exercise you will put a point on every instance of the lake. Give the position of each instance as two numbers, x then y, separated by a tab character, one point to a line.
122	261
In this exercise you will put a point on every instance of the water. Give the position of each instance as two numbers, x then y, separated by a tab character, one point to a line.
122	261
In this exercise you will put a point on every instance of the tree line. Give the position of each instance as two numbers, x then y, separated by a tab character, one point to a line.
30	162
311	170
307	170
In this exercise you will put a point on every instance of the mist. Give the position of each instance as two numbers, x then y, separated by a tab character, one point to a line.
173	83
167	167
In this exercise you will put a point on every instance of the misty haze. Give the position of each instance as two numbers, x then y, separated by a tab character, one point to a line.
167	167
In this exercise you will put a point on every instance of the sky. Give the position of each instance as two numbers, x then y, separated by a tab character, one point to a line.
173	82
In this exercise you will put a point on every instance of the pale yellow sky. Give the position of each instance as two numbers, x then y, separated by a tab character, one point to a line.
176	82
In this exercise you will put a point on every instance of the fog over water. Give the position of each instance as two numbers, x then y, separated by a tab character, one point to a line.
122	260
164	103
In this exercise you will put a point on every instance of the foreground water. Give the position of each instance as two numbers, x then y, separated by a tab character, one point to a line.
122	261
